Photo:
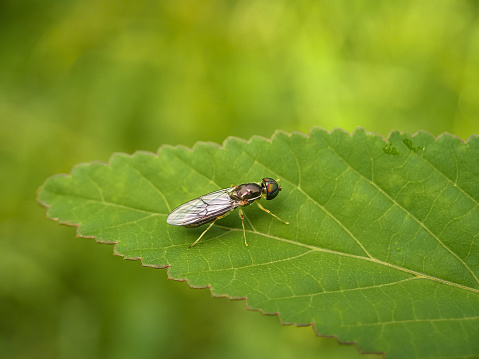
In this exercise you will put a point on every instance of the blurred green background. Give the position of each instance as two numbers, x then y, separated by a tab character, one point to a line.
80	80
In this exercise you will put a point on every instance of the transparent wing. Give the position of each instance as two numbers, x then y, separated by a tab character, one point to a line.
202	209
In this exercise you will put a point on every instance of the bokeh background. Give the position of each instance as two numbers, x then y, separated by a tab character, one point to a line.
82	79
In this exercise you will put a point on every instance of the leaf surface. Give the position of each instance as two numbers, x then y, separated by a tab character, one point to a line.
382	248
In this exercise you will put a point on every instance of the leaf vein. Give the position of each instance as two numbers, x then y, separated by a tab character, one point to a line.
142	175
410	214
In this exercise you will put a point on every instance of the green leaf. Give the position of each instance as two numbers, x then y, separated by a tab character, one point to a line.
381	250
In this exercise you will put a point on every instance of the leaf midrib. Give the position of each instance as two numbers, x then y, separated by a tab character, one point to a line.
311	247
343	254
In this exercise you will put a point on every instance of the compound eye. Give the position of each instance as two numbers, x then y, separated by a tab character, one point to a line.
271	188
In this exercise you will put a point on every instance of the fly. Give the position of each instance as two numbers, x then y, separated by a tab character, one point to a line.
215	205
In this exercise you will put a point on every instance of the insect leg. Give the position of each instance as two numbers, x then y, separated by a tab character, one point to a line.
242	223
207	229
202	234
268	211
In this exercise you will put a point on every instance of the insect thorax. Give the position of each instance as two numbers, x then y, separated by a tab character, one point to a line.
246	192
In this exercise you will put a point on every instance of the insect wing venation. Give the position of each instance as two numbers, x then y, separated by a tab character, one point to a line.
200	209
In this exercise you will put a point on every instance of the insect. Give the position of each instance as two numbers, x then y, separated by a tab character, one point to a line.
215	205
